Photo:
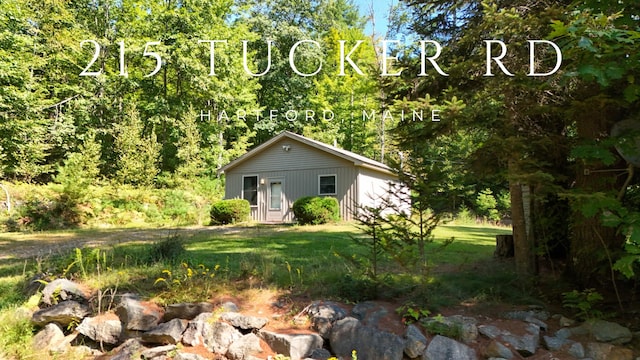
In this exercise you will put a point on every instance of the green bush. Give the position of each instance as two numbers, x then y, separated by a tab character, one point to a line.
316	210
230	211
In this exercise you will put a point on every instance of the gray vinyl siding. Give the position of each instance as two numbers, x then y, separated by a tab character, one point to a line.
299	168
299	157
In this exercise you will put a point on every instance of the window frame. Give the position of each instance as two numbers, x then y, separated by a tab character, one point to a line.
257	186
335	185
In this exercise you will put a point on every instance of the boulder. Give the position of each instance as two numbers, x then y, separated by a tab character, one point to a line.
601	351
320	354
188	356
101	329
295	346
187	311
48	338
496	349
370	343
369	312
414	342
444	348
138	315
215	336
576	350
244	348
158	351
323	314
166	333
63	289
127	350
244	322
606	331
229	306
554	343
63	313
489	331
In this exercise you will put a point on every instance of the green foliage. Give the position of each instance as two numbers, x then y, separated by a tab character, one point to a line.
487	204
316	210
230	211
583	303
187	282
16	333
411	313
170	250
438	325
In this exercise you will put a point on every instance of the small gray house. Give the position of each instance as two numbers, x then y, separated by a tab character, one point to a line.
289	166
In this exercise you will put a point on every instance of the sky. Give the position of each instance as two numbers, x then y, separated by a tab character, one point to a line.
380	9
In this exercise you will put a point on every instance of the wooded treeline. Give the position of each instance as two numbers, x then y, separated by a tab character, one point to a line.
545	140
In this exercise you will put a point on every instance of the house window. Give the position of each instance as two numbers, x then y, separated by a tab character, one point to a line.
326	185
250	189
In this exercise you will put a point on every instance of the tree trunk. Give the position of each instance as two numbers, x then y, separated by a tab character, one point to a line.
522	241
504	246
590	241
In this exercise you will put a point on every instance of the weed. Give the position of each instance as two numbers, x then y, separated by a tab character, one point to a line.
169	250
411	313
583	303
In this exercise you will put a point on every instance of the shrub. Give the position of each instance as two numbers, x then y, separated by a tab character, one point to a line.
230	211
316	210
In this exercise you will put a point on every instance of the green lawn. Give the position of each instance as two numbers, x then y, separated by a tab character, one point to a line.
302	259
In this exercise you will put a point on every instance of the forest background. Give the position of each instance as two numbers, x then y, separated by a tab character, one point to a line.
537	149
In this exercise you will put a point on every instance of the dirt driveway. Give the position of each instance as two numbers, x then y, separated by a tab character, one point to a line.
29	245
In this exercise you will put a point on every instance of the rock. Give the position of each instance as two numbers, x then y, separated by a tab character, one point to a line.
525	345
101	329
217	336
244	348
187	311
566	322
369	313
229	307
444	348
157	351
138	315
371	344
127	350
166	333
414	342
563	333
606	331
48	338
63	313
496	349
323	314
63	289
601	351
489	331
320	354
295	346
576	350
188	356
524	314
244	322
537	322
553	343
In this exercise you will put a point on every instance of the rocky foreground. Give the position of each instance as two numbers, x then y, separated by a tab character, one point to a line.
138	329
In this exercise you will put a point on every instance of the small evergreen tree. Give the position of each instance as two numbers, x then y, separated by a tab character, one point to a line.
137	154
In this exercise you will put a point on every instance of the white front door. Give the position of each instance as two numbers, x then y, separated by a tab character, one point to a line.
275	200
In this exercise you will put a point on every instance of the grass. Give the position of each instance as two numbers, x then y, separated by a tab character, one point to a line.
297	260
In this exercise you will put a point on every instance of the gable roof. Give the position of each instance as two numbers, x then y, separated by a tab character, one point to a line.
358	160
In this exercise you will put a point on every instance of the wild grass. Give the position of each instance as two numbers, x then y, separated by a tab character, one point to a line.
297	260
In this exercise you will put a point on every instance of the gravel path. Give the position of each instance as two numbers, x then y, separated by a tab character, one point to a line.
30	245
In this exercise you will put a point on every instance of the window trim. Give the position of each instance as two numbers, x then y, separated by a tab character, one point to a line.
335	184
257	189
